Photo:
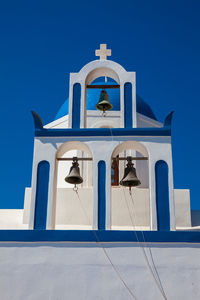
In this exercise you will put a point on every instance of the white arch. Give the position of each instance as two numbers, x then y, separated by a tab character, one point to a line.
68	146
99	72
74	145
93	70
130	145
104	68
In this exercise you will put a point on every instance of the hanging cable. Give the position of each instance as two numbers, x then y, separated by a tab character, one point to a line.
151	268
104	250
151	255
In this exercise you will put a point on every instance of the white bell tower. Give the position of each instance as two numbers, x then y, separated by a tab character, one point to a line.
102	145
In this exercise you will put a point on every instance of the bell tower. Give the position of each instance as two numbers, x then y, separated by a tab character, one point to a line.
82	81
105	162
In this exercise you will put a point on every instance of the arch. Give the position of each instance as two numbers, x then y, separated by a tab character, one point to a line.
41	201
101	195
130	145
71	146
128	105
124	208
76	105
68	207
162	195
112	68
99	72
90	72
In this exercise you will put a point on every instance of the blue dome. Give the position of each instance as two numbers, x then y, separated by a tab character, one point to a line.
114	98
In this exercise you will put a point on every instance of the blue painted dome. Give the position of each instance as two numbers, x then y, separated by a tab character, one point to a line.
114	98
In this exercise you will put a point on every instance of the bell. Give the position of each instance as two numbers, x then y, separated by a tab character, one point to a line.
130	178
104	103
74	174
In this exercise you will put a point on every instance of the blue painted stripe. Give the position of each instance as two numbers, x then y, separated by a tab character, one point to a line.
128	105
163	131
76	105
101	195
103	236
41	195
162	195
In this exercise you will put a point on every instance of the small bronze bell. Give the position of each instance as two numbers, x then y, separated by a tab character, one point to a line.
104	103
130	178
74	173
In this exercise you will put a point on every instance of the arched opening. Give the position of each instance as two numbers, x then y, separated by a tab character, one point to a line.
76	105
130	211
41	201
74	209
102	79
162	196
101	195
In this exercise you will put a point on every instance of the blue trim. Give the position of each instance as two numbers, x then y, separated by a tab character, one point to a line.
101	195
163	131
41	195
128	107
76	105
103	236
162	196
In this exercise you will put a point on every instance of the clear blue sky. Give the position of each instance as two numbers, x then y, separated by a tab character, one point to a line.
43	41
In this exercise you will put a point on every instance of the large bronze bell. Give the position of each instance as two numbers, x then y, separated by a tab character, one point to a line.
104	103
130	178
74	174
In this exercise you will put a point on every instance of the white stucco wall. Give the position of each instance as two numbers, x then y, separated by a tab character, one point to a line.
12	219
182	208
95	119
74	271
77	213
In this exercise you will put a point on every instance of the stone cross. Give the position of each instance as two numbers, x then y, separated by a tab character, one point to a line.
103	52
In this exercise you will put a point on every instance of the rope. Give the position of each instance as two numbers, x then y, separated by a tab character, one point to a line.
151	255
157	280
151	269
104	250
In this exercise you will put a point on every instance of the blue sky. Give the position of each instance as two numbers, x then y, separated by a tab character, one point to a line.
43	41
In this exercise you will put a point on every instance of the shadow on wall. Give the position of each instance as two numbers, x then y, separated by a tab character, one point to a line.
195	216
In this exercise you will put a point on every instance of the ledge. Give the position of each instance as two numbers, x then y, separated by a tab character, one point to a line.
88	132
99	236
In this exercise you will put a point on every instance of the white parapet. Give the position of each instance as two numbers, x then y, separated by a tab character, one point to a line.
182	208
12	219
76	211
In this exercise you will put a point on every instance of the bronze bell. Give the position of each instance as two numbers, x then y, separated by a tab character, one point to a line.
104	103
130	178
74	174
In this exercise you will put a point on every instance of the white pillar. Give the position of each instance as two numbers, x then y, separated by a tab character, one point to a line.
152	195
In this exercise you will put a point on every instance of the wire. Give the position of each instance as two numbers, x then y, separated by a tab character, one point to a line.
156	279
151	255
104	250
152	268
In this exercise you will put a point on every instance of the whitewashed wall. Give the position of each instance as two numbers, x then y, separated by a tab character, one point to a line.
71	213
60	271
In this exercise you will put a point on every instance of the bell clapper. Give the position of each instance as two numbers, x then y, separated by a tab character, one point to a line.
75	188
130	192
